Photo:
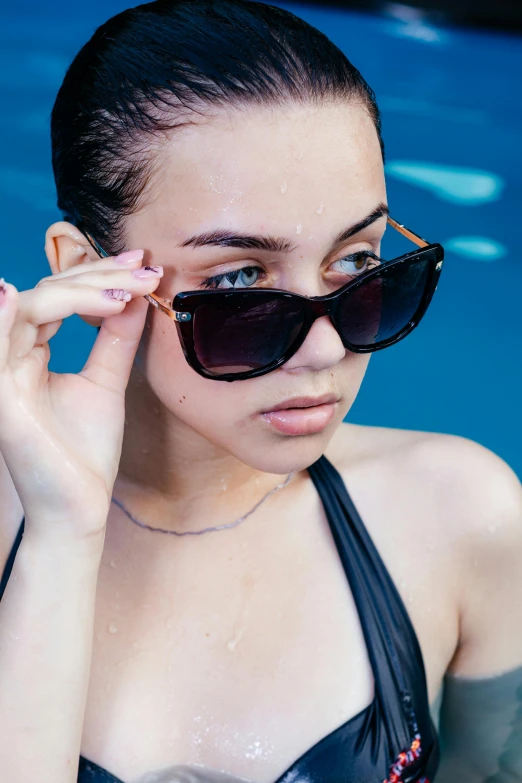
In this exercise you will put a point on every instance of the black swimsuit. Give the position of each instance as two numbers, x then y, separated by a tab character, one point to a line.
393	740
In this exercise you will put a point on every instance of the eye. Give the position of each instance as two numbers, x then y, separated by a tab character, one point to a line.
357	263
238	278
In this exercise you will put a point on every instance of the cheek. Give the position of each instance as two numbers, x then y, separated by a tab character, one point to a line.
206	406
222	413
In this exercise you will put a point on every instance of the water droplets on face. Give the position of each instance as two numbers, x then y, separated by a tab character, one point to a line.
232	643
284	187
320	210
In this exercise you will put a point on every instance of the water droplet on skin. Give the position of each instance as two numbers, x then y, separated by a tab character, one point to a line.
404	583
320	210
145	451
112	564
155	410
232	643
113	628
284	187
299	229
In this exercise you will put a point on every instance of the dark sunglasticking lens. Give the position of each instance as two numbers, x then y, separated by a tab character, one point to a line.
239	334
381	308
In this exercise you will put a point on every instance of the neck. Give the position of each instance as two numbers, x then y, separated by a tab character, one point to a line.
171	476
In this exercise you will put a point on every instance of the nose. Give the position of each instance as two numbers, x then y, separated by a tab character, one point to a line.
321	349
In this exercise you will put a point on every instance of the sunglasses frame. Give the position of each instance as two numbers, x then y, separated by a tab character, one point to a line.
185	304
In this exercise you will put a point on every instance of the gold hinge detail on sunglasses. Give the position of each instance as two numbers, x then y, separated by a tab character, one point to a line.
166	306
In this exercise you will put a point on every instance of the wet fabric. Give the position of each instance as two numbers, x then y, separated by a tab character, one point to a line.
394	738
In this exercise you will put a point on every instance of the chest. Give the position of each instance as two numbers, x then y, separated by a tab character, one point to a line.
239	655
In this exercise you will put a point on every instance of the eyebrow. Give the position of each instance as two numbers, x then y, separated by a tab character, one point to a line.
223	238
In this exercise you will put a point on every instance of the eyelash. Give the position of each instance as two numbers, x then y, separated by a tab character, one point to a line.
231	277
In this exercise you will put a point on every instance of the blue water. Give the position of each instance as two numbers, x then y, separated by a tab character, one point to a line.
452	126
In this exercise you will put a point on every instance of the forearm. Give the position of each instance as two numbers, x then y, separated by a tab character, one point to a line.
46	630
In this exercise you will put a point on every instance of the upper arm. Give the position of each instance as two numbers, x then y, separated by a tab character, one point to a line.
487	503
481	713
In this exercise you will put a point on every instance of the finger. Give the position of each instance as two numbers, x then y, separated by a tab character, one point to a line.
109	278
47	331
9	298
128	260
112	356
59	300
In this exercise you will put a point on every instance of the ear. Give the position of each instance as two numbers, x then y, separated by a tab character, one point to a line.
66	246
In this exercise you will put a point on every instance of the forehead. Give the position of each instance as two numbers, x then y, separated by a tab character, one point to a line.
269	165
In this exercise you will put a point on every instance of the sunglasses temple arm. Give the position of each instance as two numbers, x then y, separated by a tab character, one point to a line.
163	305
407	233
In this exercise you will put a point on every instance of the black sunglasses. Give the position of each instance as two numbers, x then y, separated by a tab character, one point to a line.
234	335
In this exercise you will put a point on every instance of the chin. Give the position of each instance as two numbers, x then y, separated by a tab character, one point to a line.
284	454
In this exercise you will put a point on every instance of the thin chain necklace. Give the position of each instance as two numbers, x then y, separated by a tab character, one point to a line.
206	529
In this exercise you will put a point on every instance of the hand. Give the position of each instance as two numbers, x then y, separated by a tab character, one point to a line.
61	434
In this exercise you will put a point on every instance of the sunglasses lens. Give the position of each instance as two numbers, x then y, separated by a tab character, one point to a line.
247	333
381	308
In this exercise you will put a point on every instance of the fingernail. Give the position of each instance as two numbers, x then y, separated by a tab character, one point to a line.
148	271
129	256
117	293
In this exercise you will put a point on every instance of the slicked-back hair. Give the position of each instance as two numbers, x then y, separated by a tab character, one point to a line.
157	67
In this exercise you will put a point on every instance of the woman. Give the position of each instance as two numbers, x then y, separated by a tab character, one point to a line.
196	592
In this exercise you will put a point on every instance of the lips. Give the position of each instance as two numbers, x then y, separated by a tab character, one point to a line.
304	402
302	415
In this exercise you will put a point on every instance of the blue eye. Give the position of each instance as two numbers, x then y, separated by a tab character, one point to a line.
239	278
357	263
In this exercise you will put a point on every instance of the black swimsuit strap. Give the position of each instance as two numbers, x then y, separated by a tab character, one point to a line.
392	644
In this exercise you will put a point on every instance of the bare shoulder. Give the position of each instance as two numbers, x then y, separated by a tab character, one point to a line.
469	480
461	505
471	483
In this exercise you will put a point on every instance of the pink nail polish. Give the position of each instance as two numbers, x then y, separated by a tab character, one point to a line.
129	256
148	271
117	293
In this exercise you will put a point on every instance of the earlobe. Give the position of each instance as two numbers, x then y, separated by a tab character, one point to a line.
66	246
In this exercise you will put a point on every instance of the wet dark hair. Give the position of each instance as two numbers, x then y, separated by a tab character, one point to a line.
153	68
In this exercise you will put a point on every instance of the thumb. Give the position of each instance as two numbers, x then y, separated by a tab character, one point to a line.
112	355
